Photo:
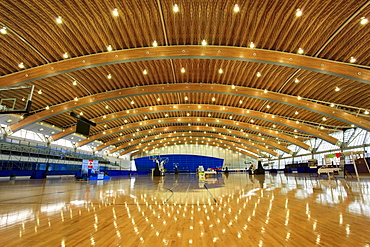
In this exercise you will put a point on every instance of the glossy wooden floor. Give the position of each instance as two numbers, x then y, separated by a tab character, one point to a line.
235	210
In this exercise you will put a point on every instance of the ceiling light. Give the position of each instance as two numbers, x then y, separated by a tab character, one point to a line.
274	126
232	87
40	91
296	113
41	129
364	20
332	105
155	44
75	99
213	99
366	112
252	121
9	121
352	60
59	20
297	122
258	74
65	55
337	89
204	42
265	91
300	51
251	45
268	106
47	107
115	12
220	71
109	48
299	97
109	76
324	119
21	65
240	102
296	80
81	113
145	72
322	127
231	117
107	106
188	114
175	8
236	8
186	98
298	12
158	99
3	30
74	83
132	102
182	70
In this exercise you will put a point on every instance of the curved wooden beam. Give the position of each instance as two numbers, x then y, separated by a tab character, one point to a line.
209	108
188	52
252	147
153	145
192	87
185	128
213	131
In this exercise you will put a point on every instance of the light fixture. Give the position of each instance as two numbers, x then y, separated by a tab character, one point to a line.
175	8
21	65
364	20
81	113
299	97
65	55
332	105
107	106
158	99
59	20
258	74
186	98
352	60
366	112
240	101
145	72
300	51
265	91
268	106
213	99
296	80
204	42
251	45
236	8
337	89
323	118
232	87
298	12
182	70
41	129
75	99
115	12
109	76
155	44
109	48
220	71
3	30
132	102
40	91
47	107
74	83
296	113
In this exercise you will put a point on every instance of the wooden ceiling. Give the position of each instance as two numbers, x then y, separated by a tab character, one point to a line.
180	84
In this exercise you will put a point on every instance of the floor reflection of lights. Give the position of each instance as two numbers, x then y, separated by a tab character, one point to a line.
235	210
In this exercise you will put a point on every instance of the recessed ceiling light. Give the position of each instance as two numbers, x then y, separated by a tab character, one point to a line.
298	12
204	42
115	12
175	8
236	8
59	20
3	30
364	20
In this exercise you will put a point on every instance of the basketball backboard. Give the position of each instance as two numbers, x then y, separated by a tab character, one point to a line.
16	99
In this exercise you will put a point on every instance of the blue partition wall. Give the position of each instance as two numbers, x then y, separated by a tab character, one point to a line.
185	163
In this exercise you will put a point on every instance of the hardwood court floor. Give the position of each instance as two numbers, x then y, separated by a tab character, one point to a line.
235	210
